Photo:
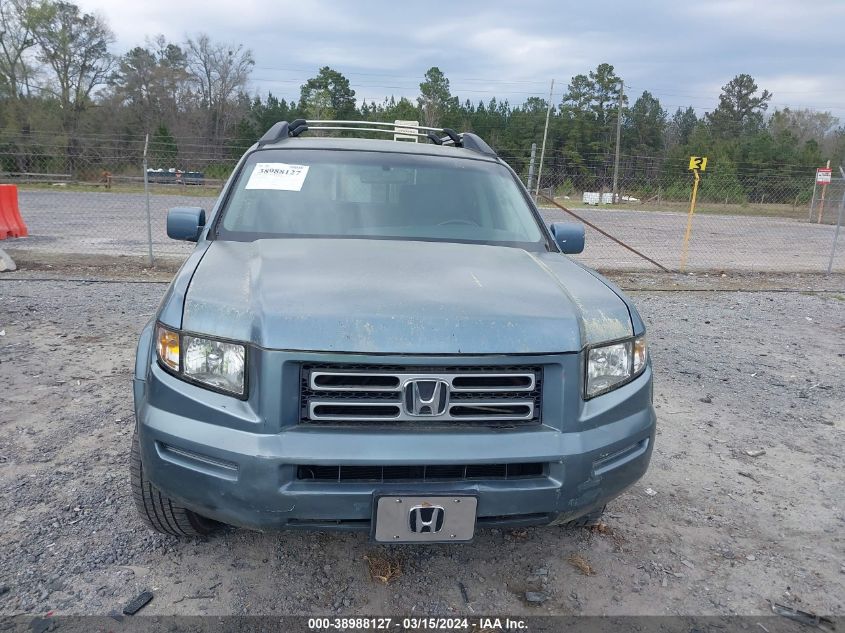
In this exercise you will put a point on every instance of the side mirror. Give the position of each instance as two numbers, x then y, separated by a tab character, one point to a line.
185	223
569	236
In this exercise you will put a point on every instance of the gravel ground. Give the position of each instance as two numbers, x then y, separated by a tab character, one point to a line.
709	530
115	223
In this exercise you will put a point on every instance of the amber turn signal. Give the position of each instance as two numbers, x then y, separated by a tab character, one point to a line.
167	347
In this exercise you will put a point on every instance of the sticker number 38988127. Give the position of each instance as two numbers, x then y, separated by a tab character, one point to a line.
278	176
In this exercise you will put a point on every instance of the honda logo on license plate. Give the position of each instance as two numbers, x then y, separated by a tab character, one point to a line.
426	519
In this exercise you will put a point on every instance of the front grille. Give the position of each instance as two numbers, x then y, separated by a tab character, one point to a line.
380	394
435	473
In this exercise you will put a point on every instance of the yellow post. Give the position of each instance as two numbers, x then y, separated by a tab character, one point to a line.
689	220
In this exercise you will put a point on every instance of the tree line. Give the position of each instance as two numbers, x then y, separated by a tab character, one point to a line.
68	103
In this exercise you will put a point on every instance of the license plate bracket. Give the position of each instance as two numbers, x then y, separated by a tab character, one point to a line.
410	518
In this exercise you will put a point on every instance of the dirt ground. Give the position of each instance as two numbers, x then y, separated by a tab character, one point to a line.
711	529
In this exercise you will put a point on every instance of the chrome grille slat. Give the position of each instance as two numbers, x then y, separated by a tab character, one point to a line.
492	409
402	378
387	406
531	378
393	410
316	376
376	394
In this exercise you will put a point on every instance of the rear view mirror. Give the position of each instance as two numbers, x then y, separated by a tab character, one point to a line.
569	236
185	223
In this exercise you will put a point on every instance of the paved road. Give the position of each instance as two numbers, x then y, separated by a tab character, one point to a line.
115	223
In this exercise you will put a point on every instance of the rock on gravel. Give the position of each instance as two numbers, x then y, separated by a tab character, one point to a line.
7	264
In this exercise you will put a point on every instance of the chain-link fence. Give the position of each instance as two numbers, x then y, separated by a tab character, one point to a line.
775	229
93	202
825	205
89	196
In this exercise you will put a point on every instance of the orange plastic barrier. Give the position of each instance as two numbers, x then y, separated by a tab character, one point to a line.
11	222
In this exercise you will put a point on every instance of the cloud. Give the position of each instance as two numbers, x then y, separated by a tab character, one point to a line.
774	17
799	91
681	52
524	51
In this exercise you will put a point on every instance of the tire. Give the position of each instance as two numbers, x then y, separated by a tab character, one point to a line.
158	510
588	520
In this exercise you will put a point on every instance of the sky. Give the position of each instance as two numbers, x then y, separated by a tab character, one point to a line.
682	52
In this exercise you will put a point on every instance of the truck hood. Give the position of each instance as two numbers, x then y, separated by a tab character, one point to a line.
399	297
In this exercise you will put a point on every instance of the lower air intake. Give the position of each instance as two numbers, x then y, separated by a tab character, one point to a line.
438	472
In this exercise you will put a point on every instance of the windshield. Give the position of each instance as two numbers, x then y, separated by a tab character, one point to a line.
352	194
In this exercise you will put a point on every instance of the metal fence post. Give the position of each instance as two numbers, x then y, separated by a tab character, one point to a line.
812	202
147	197
838	223
531	166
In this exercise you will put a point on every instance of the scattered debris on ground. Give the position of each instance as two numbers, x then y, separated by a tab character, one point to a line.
810	619
139	602
383	568
581	564
536	597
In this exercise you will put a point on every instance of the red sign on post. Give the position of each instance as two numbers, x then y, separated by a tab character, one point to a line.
823	175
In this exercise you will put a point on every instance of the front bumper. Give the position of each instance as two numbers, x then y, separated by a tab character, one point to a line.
222	458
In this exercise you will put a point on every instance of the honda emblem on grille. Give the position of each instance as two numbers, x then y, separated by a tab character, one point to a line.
426	518
426	397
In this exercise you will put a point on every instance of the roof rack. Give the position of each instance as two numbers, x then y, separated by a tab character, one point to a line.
439	136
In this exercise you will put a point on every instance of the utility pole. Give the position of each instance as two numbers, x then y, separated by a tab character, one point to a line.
618	140
545	134
531	166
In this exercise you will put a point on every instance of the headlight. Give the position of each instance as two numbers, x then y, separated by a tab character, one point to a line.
610	366
216	364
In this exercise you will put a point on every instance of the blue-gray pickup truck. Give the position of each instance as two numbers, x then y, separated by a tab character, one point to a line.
384	335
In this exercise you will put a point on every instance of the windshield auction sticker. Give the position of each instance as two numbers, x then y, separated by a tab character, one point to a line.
278	176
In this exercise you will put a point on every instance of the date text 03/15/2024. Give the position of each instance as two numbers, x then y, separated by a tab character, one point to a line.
416	624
